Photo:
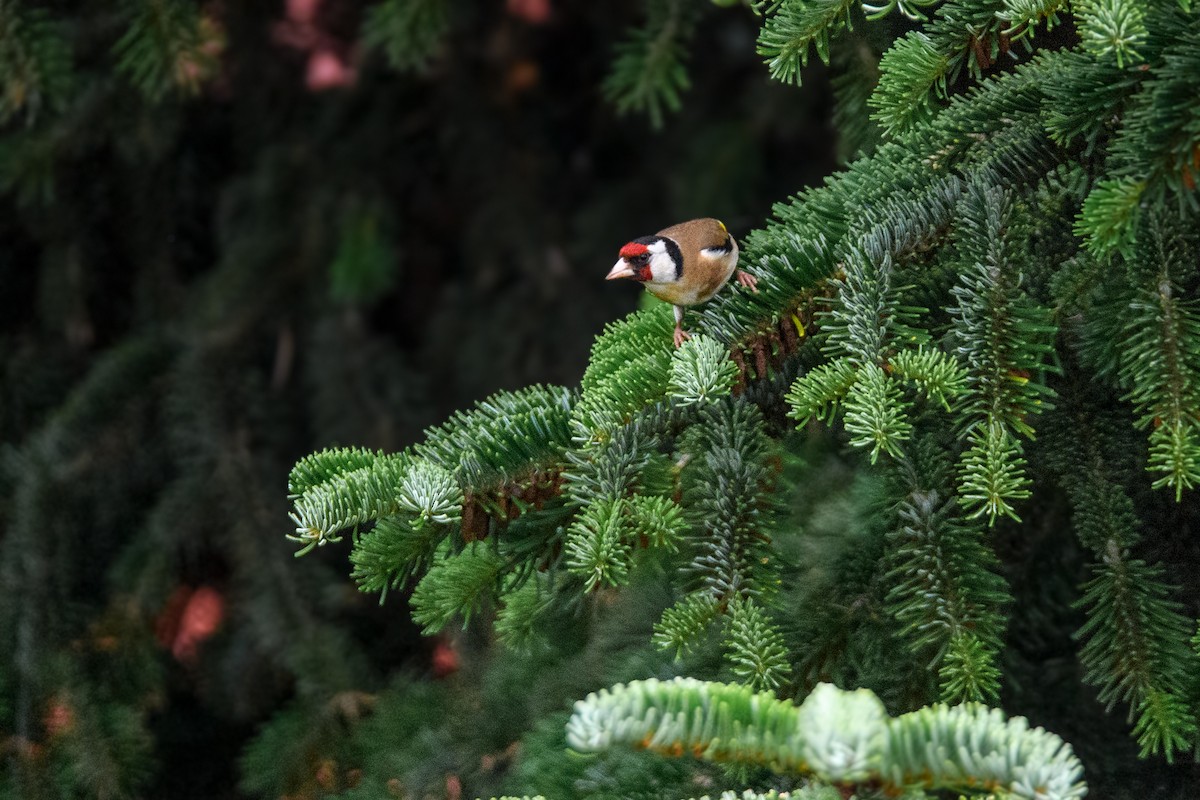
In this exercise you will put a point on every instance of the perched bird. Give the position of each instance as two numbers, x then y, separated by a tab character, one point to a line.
685	264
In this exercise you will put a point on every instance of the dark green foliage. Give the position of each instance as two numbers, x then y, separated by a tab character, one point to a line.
1160	354
1133	638
648	73
35	62
935	553
407	31
1134	649
163	49
726	489
858	66
364	267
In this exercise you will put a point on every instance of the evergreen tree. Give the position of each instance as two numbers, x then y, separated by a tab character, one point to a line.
1015	254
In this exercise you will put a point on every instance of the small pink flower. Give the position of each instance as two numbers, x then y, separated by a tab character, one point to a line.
201	618
326	70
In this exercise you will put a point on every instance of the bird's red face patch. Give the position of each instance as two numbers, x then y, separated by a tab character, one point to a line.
633	250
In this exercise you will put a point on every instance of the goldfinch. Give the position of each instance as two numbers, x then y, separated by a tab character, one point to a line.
685	264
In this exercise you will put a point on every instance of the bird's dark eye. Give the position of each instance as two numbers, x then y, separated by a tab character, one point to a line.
640	260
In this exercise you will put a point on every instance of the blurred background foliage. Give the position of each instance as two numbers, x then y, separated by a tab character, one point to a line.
234	233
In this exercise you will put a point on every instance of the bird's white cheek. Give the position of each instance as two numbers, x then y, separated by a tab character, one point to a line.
662	268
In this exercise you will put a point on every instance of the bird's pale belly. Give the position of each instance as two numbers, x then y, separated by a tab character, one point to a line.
690	295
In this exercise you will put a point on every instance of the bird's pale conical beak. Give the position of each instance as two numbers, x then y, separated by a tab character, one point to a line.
620	270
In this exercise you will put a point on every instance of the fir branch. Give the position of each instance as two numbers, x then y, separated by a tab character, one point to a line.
755	646
727	495
937	375
1109	218
969	670
648	74
430	494
726	722
1133	634
503	437
1023	16
844	733
325	465
595	547
1006	341
903	197
971	34
817	393
1115	27
35	62
909	8
524	607
168	47
992	473
793	27
1086	97
657	521
629	368
701	371
685	623
407	31
457	586
348	500
1134	650
1160	359
428	503
1158	136
981	749
885	230
839	736
877	414
946	591
859	324
608	471
913	73
811	791
393	552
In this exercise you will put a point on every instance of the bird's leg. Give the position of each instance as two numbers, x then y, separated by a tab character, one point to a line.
747	280
680	334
